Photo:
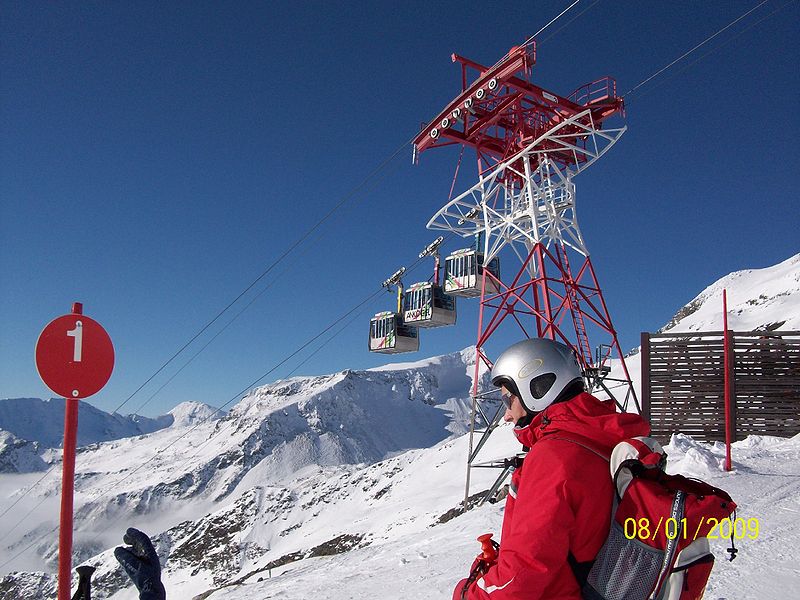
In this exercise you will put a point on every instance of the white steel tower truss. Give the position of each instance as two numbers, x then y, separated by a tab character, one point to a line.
530	198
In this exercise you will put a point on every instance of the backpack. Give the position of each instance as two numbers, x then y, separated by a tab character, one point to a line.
657	547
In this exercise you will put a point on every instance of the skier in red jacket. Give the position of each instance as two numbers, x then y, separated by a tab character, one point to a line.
558	509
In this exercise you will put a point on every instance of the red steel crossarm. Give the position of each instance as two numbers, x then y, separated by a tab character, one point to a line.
506	76
545	107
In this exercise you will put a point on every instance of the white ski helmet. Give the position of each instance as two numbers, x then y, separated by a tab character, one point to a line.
537	371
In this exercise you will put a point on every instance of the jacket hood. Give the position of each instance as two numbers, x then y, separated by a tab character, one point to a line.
586	416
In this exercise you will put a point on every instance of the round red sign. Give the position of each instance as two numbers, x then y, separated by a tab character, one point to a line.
74	356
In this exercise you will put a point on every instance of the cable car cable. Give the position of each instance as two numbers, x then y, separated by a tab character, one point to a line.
286	252
719	47
553	20
685	54
25	516
347	197
293	371
28	547
207	344
356	314
353	310
239	395
374	182
565	25
8	508
556	18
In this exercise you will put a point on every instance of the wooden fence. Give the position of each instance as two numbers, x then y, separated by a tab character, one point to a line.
683	383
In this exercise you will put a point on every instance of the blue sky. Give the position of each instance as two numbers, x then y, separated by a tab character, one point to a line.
156	158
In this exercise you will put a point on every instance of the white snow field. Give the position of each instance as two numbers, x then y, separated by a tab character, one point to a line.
765	483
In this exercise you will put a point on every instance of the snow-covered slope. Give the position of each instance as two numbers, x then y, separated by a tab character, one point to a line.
765	299
428	563
277	434
343	486
379	531
30	426
758	299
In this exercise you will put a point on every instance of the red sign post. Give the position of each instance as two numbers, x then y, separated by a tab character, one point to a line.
75	358
726	341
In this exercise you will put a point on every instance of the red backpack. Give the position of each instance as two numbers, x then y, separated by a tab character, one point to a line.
657	547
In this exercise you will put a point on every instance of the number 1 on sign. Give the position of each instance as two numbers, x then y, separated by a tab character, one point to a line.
77	333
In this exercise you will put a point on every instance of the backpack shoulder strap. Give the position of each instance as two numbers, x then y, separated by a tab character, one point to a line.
633	456
580	570
581	441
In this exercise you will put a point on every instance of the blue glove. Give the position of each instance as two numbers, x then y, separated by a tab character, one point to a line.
140	562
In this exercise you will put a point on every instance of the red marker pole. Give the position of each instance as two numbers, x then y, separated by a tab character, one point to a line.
727	381
67	491
75	358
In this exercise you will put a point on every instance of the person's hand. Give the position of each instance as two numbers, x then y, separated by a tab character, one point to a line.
140	562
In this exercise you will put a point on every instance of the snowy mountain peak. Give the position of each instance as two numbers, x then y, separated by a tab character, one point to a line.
42	421
191	413
758	299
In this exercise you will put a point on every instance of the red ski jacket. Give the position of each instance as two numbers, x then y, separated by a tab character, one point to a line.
559	501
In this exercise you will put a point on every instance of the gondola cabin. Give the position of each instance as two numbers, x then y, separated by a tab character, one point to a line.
463	273
389	335
426	305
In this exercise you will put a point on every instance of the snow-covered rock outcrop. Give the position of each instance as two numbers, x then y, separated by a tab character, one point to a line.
758	300
19	456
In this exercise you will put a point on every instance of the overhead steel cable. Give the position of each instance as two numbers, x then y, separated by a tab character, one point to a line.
277	261
13	504
243	391
355	312
688	52
553	20
25	516
316	226
531	38
206	345
28	547
718	47
540	42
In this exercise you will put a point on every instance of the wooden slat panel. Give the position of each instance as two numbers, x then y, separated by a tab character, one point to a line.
685	383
